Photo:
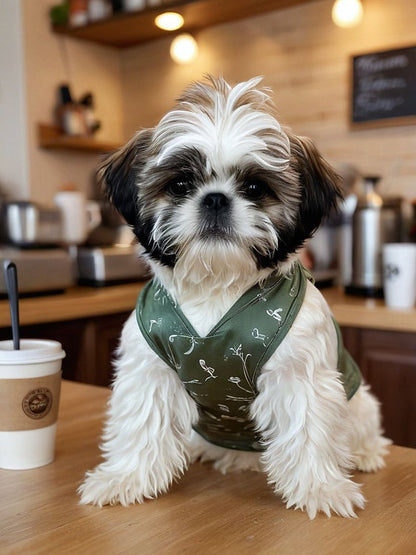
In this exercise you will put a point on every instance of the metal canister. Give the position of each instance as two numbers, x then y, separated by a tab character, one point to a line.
376	221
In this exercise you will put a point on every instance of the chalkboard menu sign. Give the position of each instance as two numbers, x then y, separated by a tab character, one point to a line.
384	87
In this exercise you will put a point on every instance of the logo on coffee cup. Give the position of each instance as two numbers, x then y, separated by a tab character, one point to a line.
37	403
391	272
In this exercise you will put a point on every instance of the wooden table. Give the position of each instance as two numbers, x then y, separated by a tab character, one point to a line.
205	513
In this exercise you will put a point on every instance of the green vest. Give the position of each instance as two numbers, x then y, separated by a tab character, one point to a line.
220	370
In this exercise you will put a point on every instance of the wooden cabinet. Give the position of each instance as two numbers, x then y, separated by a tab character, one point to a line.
89	343
388	363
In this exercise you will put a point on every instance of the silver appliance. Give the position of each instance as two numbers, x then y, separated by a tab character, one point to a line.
113	229
107	265
39	270
110	254
28	225
376	221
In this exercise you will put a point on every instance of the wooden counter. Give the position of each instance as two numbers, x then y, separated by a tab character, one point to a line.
83	302
76	302
205	513
359	312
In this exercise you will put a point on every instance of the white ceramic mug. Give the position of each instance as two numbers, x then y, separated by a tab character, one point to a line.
399	273
30	380
80	216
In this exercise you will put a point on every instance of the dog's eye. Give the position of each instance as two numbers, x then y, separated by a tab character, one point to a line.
255	190
180	187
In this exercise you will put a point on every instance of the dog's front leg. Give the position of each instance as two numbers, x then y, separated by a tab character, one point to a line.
305	427
146	439
145	442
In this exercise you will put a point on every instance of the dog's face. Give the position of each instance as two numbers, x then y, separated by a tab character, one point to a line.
218	176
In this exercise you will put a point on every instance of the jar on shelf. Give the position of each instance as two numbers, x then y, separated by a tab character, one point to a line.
78	13
134	5
99	9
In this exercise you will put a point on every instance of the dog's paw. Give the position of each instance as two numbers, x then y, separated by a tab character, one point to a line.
104	488
372	459
338	497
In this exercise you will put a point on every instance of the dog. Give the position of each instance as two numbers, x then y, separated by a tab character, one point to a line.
221	197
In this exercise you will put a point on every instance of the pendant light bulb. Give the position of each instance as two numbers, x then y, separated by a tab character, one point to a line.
347	13
169	21
184	49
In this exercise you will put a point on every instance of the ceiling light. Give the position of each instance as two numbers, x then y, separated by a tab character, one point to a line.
169	21
184	49
347	13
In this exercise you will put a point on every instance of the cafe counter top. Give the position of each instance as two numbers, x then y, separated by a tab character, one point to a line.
206	512
75	303
84	302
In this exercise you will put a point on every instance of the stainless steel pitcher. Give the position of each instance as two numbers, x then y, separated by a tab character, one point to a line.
376	221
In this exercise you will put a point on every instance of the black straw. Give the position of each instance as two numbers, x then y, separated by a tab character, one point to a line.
10	273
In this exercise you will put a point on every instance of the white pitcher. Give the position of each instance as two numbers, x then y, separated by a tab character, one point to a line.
80	216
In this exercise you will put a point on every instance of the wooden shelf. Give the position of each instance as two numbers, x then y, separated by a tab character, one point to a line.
51	137
128	29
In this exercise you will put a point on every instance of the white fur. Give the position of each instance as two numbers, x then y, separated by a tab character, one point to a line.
229	131
146	441
314	437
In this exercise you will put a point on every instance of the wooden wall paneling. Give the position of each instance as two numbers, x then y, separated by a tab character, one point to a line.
305	59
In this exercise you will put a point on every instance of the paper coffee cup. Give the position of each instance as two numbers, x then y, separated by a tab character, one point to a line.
399	272
30	382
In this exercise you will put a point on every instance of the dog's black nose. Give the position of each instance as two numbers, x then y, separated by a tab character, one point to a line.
215	202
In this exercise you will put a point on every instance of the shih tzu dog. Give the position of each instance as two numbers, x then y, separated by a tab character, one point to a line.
232	355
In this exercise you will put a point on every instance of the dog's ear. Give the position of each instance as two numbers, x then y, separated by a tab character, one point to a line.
118	174
320	185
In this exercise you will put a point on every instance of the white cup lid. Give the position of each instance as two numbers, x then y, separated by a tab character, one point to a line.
31	351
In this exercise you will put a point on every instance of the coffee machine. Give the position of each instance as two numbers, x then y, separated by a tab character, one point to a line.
31	237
